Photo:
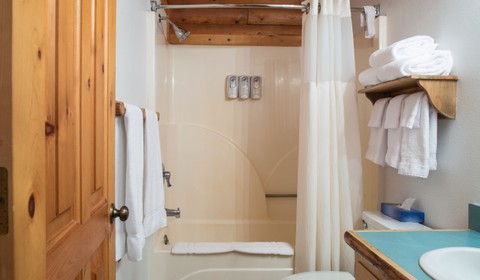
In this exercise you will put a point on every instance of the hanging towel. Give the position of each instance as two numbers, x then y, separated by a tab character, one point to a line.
134	182
415	150
367	21
433	138
154	215
120	233
377	144
265	248
437	62
410	113
368	77
394	134
407	48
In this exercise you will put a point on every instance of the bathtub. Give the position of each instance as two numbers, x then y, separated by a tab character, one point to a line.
224	266
159	264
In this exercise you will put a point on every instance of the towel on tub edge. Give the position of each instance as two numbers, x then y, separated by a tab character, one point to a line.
264	248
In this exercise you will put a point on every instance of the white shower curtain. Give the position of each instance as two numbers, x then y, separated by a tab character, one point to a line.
330	172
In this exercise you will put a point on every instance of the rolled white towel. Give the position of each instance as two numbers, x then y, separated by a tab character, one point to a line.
406	48
437	62
368	77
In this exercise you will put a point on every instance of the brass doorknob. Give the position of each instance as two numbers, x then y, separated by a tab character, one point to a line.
121	213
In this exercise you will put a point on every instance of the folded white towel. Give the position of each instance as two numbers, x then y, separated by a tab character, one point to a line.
368	77
378	113
367	21
394	134
134	182
377	144
415	150
410	113
394	111
266	248
436	62
433	138
406	48
154	215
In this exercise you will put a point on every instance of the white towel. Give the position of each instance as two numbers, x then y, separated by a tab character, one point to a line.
437	62
367	21
120	233
406	48
154	215
415	150
410	113
433	138
368	77
134	182
394	134
377	144
267	248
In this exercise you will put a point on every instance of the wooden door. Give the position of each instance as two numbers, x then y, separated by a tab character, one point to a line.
79	145
57	138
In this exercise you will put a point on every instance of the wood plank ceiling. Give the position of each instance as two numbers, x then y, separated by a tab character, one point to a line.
239	27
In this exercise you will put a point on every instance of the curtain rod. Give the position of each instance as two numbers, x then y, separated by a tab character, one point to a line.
154	7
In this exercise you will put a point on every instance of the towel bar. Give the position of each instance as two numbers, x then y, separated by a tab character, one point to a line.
120	110
274	195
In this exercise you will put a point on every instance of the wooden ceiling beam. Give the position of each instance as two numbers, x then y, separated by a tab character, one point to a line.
243	27
274	17
241	35
209	16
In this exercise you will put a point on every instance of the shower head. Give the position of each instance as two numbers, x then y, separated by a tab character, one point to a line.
181	33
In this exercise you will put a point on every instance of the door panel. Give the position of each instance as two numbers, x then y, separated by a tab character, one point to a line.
78	154
57	79
63	150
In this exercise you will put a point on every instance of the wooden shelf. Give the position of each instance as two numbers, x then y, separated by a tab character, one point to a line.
441	91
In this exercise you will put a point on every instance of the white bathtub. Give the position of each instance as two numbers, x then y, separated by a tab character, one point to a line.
159	264
225	266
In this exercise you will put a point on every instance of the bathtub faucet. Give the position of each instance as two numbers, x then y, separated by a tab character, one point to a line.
166	176
173	212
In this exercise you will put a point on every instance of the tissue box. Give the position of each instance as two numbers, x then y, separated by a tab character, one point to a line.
393	210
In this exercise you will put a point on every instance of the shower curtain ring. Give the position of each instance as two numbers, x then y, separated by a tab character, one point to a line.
307	8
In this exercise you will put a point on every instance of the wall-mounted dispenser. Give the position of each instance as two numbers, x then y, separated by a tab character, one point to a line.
231	87
255	87
244	87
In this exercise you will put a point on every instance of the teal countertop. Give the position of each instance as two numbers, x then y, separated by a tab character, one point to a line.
406	247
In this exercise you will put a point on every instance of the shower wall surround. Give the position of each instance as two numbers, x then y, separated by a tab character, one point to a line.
225	156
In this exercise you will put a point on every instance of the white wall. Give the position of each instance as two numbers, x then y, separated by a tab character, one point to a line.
135	84
454	26
372	173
